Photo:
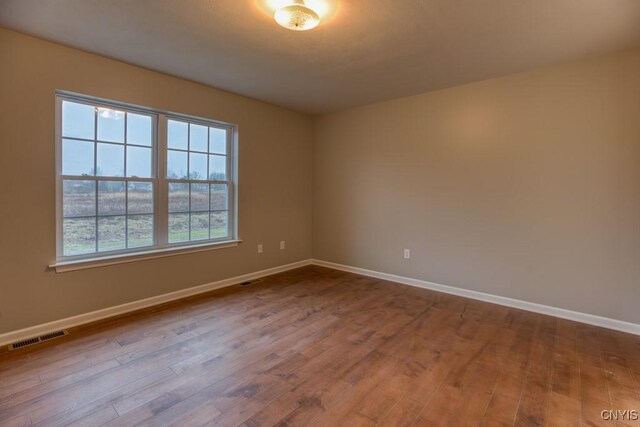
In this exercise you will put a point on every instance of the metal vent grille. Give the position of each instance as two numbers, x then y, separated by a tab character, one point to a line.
53	335
36	340
24	343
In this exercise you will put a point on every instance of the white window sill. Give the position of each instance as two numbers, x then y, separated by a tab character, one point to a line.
65	266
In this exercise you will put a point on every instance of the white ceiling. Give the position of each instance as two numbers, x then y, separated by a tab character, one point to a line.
364	51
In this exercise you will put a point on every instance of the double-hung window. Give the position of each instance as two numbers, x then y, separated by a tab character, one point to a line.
133	179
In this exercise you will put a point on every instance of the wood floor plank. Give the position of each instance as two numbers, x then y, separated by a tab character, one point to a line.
17	421
319	347
96	418
534	402
563	411
82	410
9	389
377	366
402	414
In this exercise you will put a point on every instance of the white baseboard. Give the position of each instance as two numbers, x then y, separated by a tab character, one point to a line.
93	316
590	319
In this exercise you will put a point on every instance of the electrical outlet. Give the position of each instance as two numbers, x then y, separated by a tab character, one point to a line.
282	244
407	254
260	248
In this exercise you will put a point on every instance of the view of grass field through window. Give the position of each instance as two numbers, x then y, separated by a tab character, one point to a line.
197	173
118	215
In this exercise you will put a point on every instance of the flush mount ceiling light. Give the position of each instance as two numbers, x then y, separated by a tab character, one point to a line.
296	16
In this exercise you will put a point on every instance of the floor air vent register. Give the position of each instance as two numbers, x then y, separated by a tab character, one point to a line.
37	340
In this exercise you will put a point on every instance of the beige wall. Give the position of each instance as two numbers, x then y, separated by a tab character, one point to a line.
527	186
274	168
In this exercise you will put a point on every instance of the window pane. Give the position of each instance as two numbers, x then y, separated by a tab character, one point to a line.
140	198
217	141
78	120
177	134
197	166
139	129
78	198
219	194
219	224
178	197
176	164
199	226
77	157
198	138
111	198
110	160
111	233
217	168
79	236
110	125
178	227
140	230
139	162
199	197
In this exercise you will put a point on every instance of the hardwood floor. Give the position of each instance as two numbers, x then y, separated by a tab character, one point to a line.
317	347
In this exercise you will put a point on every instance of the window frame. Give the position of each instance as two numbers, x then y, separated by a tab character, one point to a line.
160	183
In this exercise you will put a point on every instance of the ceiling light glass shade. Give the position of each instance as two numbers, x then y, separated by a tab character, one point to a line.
297	17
